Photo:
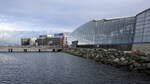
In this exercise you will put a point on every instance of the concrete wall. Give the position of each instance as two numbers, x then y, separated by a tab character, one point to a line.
144	47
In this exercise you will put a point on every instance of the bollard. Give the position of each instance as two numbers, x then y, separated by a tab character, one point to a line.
8	50
53	50
39	50
11	50
59	50
25	50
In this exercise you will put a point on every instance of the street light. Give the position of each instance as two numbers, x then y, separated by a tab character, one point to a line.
95	31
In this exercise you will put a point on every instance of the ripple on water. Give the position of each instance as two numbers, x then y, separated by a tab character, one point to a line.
61	68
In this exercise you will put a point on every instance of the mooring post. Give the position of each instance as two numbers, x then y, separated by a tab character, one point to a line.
25	50
8	50
11	50
53	50
39	50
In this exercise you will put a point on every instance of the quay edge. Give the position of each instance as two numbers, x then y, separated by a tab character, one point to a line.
131	61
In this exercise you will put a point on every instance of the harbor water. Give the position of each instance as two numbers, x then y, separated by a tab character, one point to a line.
61	68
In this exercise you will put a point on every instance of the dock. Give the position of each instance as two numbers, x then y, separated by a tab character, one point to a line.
30	48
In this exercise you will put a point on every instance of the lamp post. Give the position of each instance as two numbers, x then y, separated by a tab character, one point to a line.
95	31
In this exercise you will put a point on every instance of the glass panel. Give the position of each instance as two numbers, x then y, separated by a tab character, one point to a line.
113	31
146	38
136	40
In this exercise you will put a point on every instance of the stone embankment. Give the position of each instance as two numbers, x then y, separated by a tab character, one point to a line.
132	61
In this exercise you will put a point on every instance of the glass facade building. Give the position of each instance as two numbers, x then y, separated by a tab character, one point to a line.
142	32
106	32
122	33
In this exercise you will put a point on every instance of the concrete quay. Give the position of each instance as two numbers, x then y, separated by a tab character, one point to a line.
30	48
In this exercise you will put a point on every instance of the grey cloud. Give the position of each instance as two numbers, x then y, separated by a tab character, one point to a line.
67	13
33	17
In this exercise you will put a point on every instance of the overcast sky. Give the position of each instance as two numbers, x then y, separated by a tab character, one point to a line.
62	15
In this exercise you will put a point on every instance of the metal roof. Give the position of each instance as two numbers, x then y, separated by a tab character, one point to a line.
109	19
143	11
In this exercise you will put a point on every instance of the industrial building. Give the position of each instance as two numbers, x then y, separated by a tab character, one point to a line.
121	33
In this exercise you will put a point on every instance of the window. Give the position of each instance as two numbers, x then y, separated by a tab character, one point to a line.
138	39
146	38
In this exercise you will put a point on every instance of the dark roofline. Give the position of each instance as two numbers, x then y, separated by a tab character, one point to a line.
111	19
143	11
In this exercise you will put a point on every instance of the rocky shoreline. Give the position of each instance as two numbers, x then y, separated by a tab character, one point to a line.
138	62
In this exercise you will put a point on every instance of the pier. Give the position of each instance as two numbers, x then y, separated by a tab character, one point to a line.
30	48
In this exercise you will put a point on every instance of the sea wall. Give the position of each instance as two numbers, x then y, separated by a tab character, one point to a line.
132	61
144	47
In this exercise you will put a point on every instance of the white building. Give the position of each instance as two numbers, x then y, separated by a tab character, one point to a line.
32	41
